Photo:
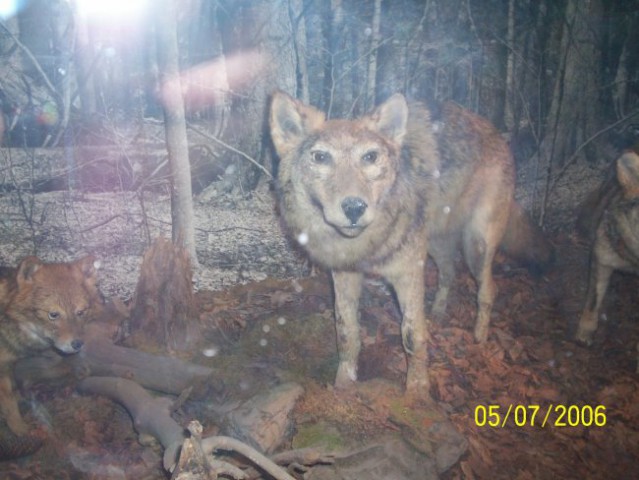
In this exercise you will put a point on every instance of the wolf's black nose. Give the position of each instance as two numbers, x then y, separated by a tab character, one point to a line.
353	208
76	344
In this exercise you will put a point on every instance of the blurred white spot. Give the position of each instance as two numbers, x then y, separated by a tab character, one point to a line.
210	352
109	52
263	342
281	321
302	238
230	170
552	363
368	31
296	286
436	173
420	263
266	328
446	209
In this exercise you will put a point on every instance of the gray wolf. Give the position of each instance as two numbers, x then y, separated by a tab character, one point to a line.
376	194
42	306
610	217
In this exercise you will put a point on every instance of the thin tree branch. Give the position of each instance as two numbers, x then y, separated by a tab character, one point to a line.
229	147
576	153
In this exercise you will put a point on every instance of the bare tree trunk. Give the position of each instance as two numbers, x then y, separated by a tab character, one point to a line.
620	86
298	22
88	102
258	34
509	115
574	98
372	58
175	127
334	34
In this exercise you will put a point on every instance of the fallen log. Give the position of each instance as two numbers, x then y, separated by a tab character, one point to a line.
157	372
101	357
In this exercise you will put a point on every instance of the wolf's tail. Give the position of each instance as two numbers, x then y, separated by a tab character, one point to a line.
526	243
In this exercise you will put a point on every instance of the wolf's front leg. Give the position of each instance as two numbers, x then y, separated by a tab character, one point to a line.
348	287
9	406
409	287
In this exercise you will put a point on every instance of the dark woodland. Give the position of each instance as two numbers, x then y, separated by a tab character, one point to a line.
118	129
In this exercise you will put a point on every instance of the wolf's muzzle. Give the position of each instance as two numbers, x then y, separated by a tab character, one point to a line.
353	208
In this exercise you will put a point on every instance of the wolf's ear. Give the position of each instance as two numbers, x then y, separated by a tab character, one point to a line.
88	266
290	121
391	118
628	174
27	268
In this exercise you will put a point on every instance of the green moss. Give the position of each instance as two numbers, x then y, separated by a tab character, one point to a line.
319	434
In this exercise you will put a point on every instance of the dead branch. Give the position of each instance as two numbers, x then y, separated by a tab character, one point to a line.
100	357
232	149
34	62
304	456
151	416
587	142
157	372
212	444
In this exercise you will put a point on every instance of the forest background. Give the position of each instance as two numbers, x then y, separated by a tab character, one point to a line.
560	79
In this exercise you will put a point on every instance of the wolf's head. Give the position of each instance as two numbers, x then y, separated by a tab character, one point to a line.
52	302
343	169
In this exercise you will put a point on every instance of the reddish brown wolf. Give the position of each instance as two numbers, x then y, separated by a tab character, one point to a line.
42	305
376	194
610	217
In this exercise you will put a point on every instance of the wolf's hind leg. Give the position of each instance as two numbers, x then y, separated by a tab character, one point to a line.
479	253
443	253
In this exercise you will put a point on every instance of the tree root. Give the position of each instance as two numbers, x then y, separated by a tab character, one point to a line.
151	416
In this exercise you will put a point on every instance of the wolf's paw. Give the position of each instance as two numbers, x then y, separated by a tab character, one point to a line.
439	308
584	336
346	376
17	425
481	333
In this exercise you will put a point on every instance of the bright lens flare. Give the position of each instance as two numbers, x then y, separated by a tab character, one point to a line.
111	8
8	8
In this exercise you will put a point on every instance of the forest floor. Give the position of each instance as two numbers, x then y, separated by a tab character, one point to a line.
529	361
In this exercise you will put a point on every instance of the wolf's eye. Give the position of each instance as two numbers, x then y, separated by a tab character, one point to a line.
54	315
370	157
320	158
79	313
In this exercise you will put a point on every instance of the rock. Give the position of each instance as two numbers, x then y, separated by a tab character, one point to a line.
264	421
390	458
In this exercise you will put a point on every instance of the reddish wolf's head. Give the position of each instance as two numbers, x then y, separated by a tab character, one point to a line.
49	302
347	167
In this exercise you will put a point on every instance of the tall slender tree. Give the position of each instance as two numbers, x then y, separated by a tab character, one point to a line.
183	230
